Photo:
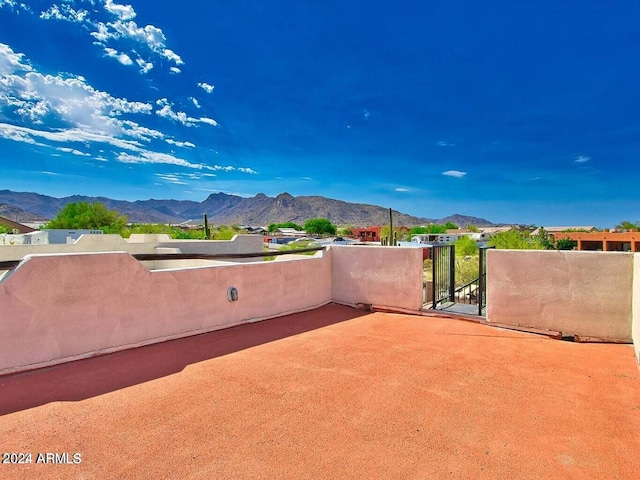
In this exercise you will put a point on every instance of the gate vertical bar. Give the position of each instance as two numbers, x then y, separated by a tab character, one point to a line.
452	273
434	253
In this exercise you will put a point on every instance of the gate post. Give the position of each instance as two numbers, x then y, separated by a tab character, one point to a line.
481	277
434	282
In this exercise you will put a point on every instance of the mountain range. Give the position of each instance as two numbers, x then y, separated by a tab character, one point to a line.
222	208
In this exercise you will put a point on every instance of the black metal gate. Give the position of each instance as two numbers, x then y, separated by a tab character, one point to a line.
444	271
444	289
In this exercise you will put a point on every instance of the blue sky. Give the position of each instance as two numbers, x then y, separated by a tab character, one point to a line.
520	112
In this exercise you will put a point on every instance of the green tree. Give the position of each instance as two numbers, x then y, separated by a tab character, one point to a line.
4	229
451	226
401	233
346	231
627	225
433	228
274	226
320	226
465	246
223	233
566	244
544	239
515	240
85	215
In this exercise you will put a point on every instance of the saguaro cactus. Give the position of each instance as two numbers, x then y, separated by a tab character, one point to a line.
206	228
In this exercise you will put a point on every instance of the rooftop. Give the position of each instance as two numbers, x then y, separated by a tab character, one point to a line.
334	392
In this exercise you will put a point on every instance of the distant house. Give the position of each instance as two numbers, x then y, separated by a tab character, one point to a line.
603	241
68	236
495	230
254	230
15	227
369	234
291	232
580	228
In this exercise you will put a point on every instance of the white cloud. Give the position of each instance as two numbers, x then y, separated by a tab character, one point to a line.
146	156
135	130
445	144
144	65
149	36
248	170
400	189
15	6
27	135
167	112
123	12
228	168
206	87
208	121
45	172
454	173
68	99
85	116
173	56
180	144
64	12
183	178
74	151
123	28
195	102
582	159
11	62
171	178
175	70
112	34
123	58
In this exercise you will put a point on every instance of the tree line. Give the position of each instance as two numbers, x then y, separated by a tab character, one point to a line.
96	216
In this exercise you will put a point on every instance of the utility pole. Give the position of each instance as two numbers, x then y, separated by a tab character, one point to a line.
390	241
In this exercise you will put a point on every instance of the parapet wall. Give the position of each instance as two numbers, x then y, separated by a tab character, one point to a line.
60	307
588	294
636	306
57	308
380	276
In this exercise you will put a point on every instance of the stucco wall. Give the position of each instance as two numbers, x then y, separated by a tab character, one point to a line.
137	244
56	308
577	293
381	276
636	305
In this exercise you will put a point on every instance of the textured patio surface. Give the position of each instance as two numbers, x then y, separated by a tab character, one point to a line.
334	393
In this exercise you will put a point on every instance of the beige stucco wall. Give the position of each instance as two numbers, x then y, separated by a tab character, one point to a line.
56	308
380	276
636	305
577	293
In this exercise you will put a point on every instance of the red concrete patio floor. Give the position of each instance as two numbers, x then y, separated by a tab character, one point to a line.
334	393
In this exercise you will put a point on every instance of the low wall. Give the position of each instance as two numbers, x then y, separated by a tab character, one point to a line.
56	308
636	305
588	294
136	244
380	276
